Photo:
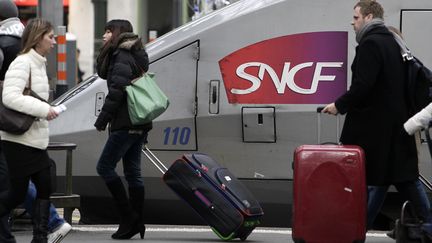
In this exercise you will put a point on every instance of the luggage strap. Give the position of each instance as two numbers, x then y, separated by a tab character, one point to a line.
155	161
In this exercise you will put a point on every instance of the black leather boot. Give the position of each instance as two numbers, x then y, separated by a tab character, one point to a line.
136	199
129	225
40	221
5	234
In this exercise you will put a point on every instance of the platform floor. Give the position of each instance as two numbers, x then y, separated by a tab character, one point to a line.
179	234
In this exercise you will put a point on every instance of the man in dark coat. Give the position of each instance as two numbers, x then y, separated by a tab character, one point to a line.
376	109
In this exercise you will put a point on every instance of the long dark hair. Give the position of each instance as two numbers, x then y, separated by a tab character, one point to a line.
117	27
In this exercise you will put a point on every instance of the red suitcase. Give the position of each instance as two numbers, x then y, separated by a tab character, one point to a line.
329	194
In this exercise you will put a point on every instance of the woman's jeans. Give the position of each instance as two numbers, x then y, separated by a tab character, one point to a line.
410	190
125	145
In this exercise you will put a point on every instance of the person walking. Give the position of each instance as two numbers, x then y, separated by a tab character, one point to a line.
376	109
122	59
11	30
26	155
419	121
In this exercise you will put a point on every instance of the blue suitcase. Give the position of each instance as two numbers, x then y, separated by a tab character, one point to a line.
214	193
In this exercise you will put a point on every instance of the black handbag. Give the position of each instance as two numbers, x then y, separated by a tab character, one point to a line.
13	121
408	227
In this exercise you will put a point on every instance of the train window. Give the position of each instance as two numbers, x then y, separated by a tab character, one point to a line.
75	90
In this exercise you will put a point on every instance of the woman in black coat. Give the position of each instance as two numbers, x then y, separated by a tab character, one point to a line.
121	60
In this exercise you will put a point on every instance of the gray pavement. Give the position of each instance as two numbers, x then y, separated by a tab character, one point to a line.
179	234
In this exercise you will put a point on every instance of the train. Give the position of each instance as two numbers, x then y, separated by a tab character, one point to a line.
244	83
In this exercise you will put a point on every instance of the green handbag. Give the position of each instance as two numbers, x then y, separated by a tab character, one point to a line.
146	101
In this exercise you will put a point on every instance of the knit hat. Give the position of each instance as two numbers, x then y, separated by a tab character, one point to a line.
8	9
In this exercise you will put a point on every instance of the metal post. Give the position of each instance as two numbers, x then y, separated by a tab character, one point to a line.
68	184
71	60
141	30
62	85
100	18
51	10
177	13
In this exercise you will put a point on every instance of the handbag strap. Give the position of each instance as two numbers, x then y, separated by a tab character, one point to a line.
404	50
137	70
30	91
27	90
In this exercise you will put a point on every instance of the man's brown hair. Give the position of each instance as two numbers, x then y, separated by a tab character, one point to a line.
370	7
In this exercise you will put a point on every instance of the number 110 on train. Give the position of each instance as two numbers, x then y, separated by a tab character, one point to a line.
177	135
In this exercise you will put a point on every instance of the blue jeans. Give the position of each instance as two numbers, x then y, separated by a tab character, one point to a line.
54	219
410	190
125	145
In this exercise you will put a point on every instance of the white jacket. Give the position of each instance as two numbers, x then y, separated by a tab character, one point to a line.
419	120
16	79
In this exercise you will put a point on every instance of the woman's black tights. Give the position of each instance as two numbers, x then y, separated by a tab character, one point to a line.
19	186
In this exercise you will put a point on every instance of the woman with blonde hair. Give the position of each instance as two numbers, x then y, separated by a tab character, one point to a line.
26	154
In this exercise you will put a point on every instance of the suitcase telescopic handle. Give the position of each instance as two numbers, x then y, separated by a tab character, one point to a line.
425	182
155	161
319	110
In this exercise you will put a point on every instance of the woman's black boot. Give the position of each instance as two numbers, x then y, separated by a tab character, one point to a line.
128	218
136	199
40	221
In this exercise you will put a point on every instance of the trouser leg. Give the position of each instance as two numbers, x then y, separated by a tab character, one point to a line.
42	181
376	197
415	193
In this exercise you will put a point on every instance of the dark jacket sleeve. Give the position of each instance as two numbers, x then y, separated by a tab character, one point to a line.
119	77
365	73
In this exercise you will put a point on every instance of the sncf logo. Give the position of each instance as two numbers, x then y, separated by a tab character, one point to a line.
287	79
307	68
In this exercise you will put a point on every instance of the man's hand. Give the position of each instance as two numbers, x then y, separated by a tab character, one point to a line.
331	109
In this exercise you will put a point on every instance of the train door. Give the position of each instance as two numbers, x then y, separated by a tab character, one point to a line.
176	75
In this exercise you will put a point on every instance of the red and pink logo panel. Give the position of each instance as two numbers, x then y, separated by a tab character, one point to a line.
307	68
